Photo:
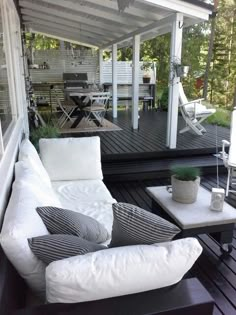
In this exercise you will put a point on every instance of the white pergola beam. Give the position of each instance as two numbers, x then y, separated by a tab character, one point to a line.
114	80
135	81
71	15
74	32
78	25
100	56
61	36
153	26
173	98
129	11
64	33
188	9
93	12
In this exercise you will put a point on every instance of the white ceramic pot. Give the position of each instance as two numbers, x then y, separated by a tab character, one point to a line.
184	191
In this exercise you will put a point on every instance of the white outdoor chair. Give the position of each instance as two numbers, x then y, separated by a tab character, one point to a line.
65	111
193	112
229	159
98	106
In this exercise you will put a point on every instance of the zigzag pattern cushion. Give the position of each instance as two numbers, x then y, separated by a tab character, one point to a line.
62	221
133	225
49	248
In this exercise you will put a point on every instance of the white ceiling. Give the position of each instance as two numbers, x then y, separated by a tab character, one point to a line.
98	23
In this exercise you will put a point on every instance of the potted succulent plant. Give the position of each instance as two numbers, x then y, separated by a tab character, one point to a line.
185	183
146	67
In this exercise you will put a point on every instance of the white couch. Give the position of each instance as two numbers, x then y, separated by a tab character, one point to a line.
72	178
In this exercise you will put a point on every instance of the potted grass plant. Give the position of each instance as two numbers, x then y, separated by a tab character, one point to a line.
185	183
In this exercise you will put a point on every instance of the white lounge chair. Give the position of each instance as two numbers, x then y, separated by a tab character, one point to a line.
229	159
193	112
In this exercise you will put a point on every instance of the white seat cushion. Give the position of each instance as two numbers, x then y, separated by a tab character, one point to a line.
21	222
71	158
120	271
89	197
29	154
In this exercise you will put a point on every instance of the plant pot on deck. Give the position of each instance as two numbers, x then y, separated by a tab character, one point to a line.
184	191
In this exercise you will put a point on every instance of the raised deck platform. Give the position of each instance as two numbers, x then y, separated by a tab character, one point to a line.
150	140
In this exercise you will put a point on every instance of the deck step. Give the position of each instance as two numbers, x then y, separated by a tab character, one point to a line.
156	168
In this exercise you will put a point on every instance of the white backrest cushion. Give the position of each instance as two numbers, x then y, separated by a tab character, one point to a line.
120	271
232	149
29	154
21	222
71	158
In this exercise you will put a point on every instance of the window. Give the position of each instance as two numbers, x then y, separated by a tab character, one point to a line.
5	105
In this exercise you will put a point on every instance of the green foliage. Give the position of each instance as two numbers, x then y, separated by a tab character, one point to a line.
164	99
185	173
221	117
47	131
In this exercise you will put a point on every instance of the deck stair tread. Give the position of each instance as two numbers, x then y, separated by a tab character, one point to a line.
155	167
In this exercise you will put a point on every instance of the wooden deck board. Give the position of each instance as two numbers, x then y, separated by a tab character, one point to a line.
216	272
150	139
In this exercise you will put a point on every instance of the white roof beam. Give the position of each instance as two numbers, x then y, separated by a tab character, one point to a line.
130	11
72	16
155	25
188	9
78	25
60	37
78	32
64	34
93	12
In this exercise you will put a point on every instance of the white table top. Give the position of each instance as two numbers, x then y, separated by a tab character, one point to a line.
193	215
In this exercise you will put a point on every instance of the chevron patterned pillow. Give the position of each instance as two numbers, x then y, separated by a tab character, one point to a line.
133	225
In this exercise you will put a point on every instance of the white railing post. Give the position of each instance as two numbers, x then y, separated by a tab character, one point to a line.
114	80
135	81
100	66
173	99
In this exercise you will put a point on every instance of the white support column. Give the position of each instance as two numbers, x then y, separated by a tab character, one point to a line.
173	100
114	80
135	81
100	66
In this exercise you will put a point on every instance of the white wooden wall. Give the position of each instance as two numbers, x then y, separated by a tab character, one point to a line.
63	61
87	61
124	72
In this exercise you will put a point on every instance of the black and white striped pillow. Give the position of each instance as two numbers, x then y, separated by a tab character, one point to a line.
133	225
53	247
62	221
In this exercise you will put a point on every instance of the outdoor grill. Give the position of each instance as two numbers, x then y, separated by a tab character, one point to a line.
75	80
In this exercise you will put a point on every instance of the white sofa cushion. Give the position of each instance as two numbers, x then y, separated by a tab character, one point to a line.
29	154
21	222
120	271
71	158
89	197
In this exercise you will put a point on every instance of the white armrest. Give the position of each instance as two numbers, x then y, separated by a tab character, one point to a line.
120	271
192	102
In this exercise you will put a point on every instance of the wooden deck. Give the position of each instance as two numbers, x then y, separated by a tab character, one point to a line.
216	272
150	140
